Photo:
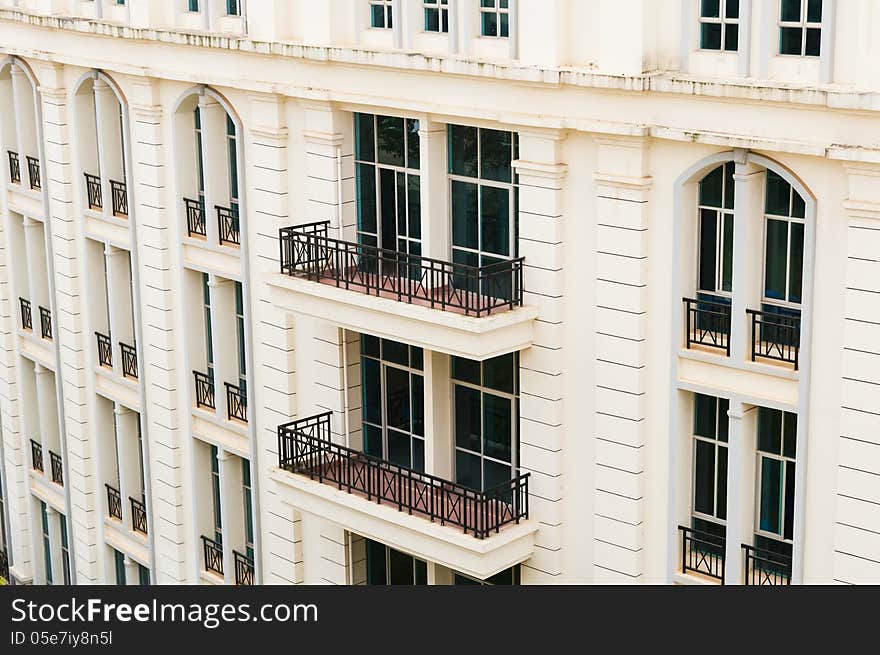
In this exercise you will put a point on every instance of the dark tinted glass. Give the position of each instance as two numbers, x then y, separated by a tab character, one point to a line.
394	351
370	345
731	37
413	145
399	448
414	206
372	390
495	474
790	435
366	198
814	43
499	373
496	149
710	8
497	427
390	140
466	370
710	36
796	267
723	419
705	415
731	9
788	526
376	570
364	137
778	195
464	215
397	398
775	264
814	11
401	568
467	418
790	40
418	404
710	188
467	470
769	430
791	10
704	477
771	494
708	248
495	220
729	185
721	509
463	150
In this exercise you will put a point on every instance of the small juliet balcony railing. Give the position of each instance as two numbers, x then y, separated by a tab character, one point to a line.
304	448
119	198
93	191
707	324
34	172
14	167
213	554
307	252
36	455
236	403
229	225
27	322
45	323
57	468
105	350
129	360
138	515
204	390
702	553
765	567
4	566
776	336
114	502
195	217
244	569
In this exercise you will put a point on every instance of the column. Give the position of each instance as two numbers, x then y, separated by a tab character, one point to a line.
215	154
542	429
541	44
434	194
622	188
129	468
55	554
740	522
231	509
439	447
132	574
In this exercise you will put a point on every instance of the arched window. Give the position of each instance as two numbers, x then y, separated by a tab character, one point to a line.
715	261
784	215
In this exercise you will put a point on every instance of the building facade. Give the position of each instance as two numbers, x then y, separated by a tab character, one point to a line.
440	291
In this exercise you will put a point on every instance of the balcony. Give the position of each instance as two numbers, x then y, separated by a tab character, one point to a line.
213	553
105	350
119	198
34	172
228	222
57	468
138	515
93	191
474	312
45	323
776	336
14	167
27	322
195	218
4	566
476	532
114	503
204	390
236	403
36	456
702	553
707	325
244	569
765	567
129	361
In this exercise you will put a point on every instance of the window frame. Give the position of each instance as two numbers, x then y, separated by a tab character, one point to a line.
387	14
368	573
216	493
804	24
722	213
443	18
789	220
718	444
785	460
723	21
247	495
498	10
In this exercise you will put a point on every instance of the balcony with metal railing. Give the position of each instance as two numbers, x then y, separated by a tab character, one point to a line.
57	468
402	507
114	502
45	323
119	198
138	515
776	336
196	226
765	567
244	568
212	552
702	553
229	225
236	403
36	455
105	350
27	322
93	191
472	311
34	172
14	167
204	390
129	361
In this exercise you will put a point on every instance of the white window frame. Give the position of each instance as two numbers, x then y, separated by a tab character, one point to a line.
498	10
803	24
387	14
718	445
720	214
762	454
724	22
790	219
443	9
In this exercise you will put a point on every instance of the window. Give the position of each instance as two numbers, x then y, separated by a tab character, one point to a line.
800	28
381	14
119	565
193	5
777	448
65	549
436	15
710	464
215	489
240	334
719	25
233	169
486	417
484	195
784	212
233	8
386	566
197	120
209	340
715	275
495	18
47	547
143	575
510	576
248	507
387	154
393	391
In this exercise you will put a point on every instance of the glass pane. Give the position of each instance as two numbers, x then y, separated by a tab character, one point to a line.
418	455
796	265
721	509
499	373
432	20
731	9
394	351
490	23
776	259
467	418
814	42
705	415
401	568
399	448
723	419
390	140
416	357
413	144
771	495
496	148
727	254
372	390
464	215
497	428
778	195
729	185
798	207
376	571
814	11
731	37
495	474
495	220
791	10
710	36
467	470
421	571
505	26
364	137
417	383
465	370
373	441
388	209
370	345
790	40
397	398
769	430
708	249
710	8
790	435
414	206
378	16
704	477
366	198
710	188
788	526
463	150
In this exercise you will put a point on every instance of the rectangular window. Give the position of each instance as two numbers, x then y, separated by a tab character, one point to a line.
47	547
143	576
209	340
248	507
240	334
710	461
436	15
193	5
65	548
233	163
119	566
197	122
784	213
393	395
715	262
233	8
495	18
215	495
777	450
381	16
800	28
486	419
719	25
386	566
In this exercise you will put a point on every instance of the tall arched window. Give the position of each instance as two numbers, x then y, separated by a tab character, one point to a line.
715	261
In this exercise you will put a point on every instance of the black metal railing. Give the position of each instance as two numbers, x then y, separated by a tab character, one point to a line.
57	468
213	552
93	191
776	336
228	221
304	448
138	515
114	502
307	251
195	217
244	569
34	172
27	322
129	360
764	567
14	167
36	456
119	197
707	324
204	390
4	566
45	323
105	349
702	552
236	403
